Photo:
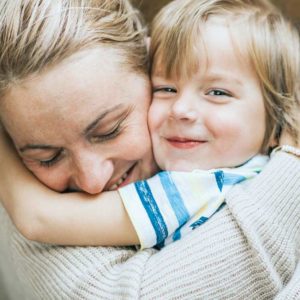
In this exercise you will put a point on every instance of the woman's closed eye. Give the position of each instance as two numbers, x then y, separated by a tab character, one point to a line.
114	132
93	139
110	130
111	134
53	160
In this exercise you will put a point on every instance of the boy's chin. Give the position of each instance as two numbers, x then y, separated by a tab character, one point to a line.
183	166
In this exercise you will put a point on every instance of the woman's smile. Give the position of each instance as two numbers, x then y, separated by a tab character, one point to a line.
124	179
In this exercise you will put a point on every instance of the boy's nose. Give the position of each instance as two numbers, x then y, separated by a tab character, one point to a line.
184	108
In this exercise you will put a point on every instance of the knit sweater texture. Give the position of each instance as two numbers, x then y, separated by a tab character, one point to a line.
248	250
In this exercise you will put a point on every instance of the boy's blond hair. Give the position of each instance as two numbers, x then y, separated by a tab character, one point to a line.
268	39
36	34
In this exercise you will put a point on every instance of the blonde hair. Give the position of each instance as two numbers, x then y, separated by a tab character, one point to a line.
36	34
270	41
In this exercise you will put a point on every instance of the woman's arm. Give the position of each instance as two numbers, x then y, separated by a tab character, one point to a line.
43	215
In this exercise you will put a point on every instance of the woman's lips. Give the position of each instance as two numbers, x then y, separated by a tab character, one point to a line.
124	180
184	143
127	178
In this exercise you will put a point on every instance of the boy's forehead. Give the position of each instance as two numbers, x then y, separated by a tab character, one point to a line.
207	60
184	60
183	65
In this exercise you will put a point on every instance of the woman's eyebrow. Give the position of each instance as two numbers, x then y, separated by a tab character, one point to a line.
37	147
101	116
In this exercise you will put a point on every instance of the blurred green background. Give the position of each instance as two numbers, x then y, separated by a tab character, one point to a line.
150	7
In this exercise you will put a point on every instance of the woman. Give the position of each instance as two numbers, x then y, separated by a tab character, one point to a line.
239	252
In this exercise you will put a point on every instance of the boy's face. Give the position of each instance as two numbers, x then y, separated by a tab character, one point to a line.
215	118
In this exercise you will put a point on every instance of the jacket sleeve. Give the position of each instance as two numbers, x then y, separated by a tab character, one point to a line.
248	248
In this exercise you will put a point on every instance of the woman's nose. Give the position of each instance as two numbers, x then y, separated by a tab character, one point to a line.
184	108
92	174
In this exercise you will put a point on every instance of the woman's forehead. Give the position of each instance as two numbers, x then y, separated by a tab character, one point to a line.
75	92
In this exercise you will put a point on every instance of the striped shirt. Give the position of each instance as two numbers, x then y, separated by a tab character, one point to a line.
171	204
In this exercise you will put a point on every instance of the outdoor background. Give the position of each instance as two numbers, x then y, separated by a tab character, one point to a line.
151	7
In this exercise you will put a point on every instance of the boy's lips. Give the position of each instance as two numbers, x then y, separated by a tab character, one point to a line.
184	143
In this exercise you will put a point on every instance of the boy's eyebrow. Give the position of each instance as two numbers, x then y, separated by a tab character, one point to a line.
160	77
223	77
157	74
209	77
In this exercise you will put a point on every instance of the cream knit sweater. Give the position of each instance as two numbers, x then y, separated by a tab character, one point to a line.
248	250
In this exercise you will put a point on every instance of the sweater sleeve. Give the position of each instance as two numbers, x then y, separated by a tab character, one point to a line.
251	247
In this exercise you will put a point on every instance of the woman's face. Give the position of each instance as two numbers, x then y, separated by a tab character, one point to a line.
81	125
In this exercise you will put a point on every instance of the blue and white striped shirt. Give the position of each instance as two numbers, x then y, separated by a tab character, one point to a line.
167	206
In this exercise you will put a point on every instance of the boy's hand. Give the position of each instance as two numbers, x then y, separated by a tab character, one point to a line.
9	158
286	139
6	145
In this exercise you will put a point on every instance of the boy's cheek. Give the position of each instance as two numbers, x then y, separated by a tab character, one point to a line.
159	112
154	117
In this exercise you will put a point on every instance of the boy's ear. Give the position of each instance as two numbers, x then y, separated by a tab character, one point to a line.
148	41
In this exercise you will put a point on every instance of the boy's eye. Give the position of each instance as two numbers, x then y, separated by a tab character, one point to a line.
219	92
50	162
164	89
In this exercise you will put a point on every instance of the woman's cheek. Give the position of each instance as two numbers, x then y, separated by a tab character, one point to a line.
53	177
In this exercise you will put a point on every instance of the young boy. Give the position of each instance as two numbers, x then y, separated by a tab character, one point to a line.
224	76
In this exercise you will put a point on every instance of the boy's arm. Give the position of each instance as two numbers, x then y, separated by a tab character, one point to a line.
43	215
171	204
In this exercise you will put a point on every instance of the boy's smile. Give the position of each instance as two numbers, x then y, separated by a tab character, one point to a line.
216	117
184	142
